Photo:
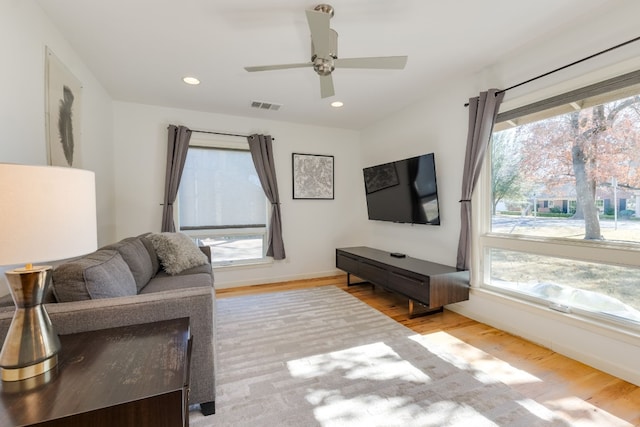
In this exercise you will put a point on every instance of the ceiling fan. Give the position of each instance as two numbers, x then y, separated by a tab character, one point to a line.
324	52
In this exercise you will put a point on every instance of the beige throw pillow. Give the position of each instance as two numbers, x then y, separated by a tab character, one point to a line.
176	251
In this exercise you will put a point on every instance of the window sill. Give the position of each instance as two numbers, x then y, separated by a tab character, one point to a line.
240	265
592	325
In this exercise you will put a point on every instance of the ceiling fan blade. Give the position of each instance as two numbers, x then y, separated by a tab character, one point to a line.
320	32
382	62
277	67
326	86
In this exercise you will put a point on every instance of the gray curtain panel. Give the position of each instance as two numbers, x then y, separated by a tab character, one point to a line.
178	145
262	154
482	116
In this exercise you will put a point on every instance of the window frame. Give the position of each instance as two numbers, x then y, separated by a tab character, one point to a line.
216	142
624	254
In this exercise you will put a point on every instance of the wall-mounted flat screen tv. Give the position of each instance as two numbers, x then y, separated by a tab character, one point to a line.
403	191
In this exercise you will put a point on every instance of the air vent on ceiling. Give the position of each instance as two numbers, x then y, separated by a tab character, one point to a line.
265	105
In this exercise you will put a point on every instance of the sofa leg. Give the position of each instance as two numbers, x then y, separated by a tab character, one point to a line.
208	408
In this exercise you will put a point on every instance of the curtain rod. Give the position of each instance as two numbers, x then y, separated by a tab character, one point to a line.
224	133
567	66
219	133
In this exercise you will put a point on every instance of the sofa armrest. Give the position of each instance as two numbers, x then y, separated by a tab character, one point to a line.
207	251
197	303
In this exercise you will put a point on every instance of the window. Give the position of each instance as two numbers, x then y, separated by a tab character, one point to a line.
221	201
564	184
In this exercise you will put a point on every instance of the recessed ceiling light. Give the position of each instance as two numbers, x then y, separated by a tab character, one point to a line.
337	104
191	80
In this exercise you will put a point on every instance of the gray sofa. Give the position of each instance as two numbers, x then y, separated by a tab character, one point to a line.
127	283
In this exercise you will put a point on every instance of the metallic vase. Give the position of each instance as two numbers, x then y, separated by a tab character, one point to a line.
31	345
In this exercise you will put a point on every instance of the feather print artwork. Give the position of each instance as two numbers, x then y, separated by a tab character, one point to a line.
65	125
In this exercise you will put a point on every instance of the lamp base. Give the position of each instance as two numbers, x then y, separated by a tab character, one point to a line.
31	346
18	374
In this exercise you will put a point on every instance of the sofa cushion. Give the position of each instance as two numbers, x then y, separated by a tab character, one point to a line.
176	251
137	257
152	252
204	268
101	274
163	282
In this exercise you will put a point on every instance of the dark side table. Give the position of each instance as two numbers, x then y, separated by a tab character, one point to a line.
128	376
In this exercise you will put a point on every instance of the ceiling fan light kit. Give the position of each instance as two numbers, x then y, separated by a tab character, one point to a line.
324	53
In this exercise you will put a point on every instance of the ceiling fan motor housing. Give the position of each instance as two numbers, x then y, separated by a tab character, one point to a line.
323	67
332	41
325	8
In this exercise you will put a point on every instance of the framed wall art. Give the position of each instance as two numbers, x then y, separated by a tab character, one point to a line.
312	176
63	102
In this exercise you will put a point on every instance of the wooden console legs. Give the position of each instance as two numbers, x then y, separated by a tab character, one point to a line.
416	309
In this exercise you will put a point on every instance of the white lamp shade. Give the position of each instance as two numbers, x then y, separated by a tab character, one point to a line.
46	213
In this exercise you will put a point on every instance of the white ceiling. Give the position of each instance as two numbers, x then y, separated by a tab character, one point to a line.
140	49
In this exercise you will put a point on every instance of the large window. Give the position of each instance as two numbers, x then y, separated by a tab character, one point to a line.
221	201
563	227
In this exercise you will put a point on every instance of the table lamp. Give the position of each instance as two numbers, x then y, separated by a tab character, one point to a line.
46	213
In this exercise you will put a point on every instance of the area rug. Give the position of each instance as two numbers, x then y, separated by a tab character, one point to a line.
321	357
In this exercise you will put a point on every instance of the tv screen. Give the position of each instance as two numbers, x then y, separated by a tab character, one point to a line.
403	191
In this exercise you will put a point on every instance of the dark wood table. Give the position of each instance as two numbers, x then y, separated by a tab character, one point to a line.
128	376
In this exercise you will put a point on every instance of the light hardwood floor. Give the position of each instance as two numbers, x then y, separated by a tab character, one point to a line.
575	391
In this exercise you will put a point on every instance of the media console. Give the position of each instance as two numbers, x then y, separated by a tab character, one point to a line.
427	283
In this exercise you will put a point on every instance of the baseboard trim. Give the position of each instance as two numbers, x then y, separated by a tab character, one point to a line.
339	274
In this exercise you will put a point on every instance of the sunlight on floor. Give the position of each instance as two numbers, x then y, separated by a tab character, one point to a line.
385	389
374	410
388	405
583	413
486	368
536	409
489	369
371	362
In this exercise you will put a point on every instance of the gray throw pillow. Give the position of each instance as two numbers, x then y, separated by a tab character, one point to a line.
176	251
100	274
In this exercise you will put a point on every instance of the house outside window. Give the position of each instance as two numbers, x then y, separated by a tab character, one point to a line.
221	202
564	232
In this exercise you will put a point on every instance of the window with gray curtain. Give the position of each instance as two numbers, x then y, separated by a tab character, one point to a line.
482	114
177	146
563	228
221	201
262	153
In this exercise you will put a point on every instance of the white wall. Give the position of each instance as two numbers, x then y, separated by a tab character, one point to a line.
422	129
25	31
439	124
312	228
